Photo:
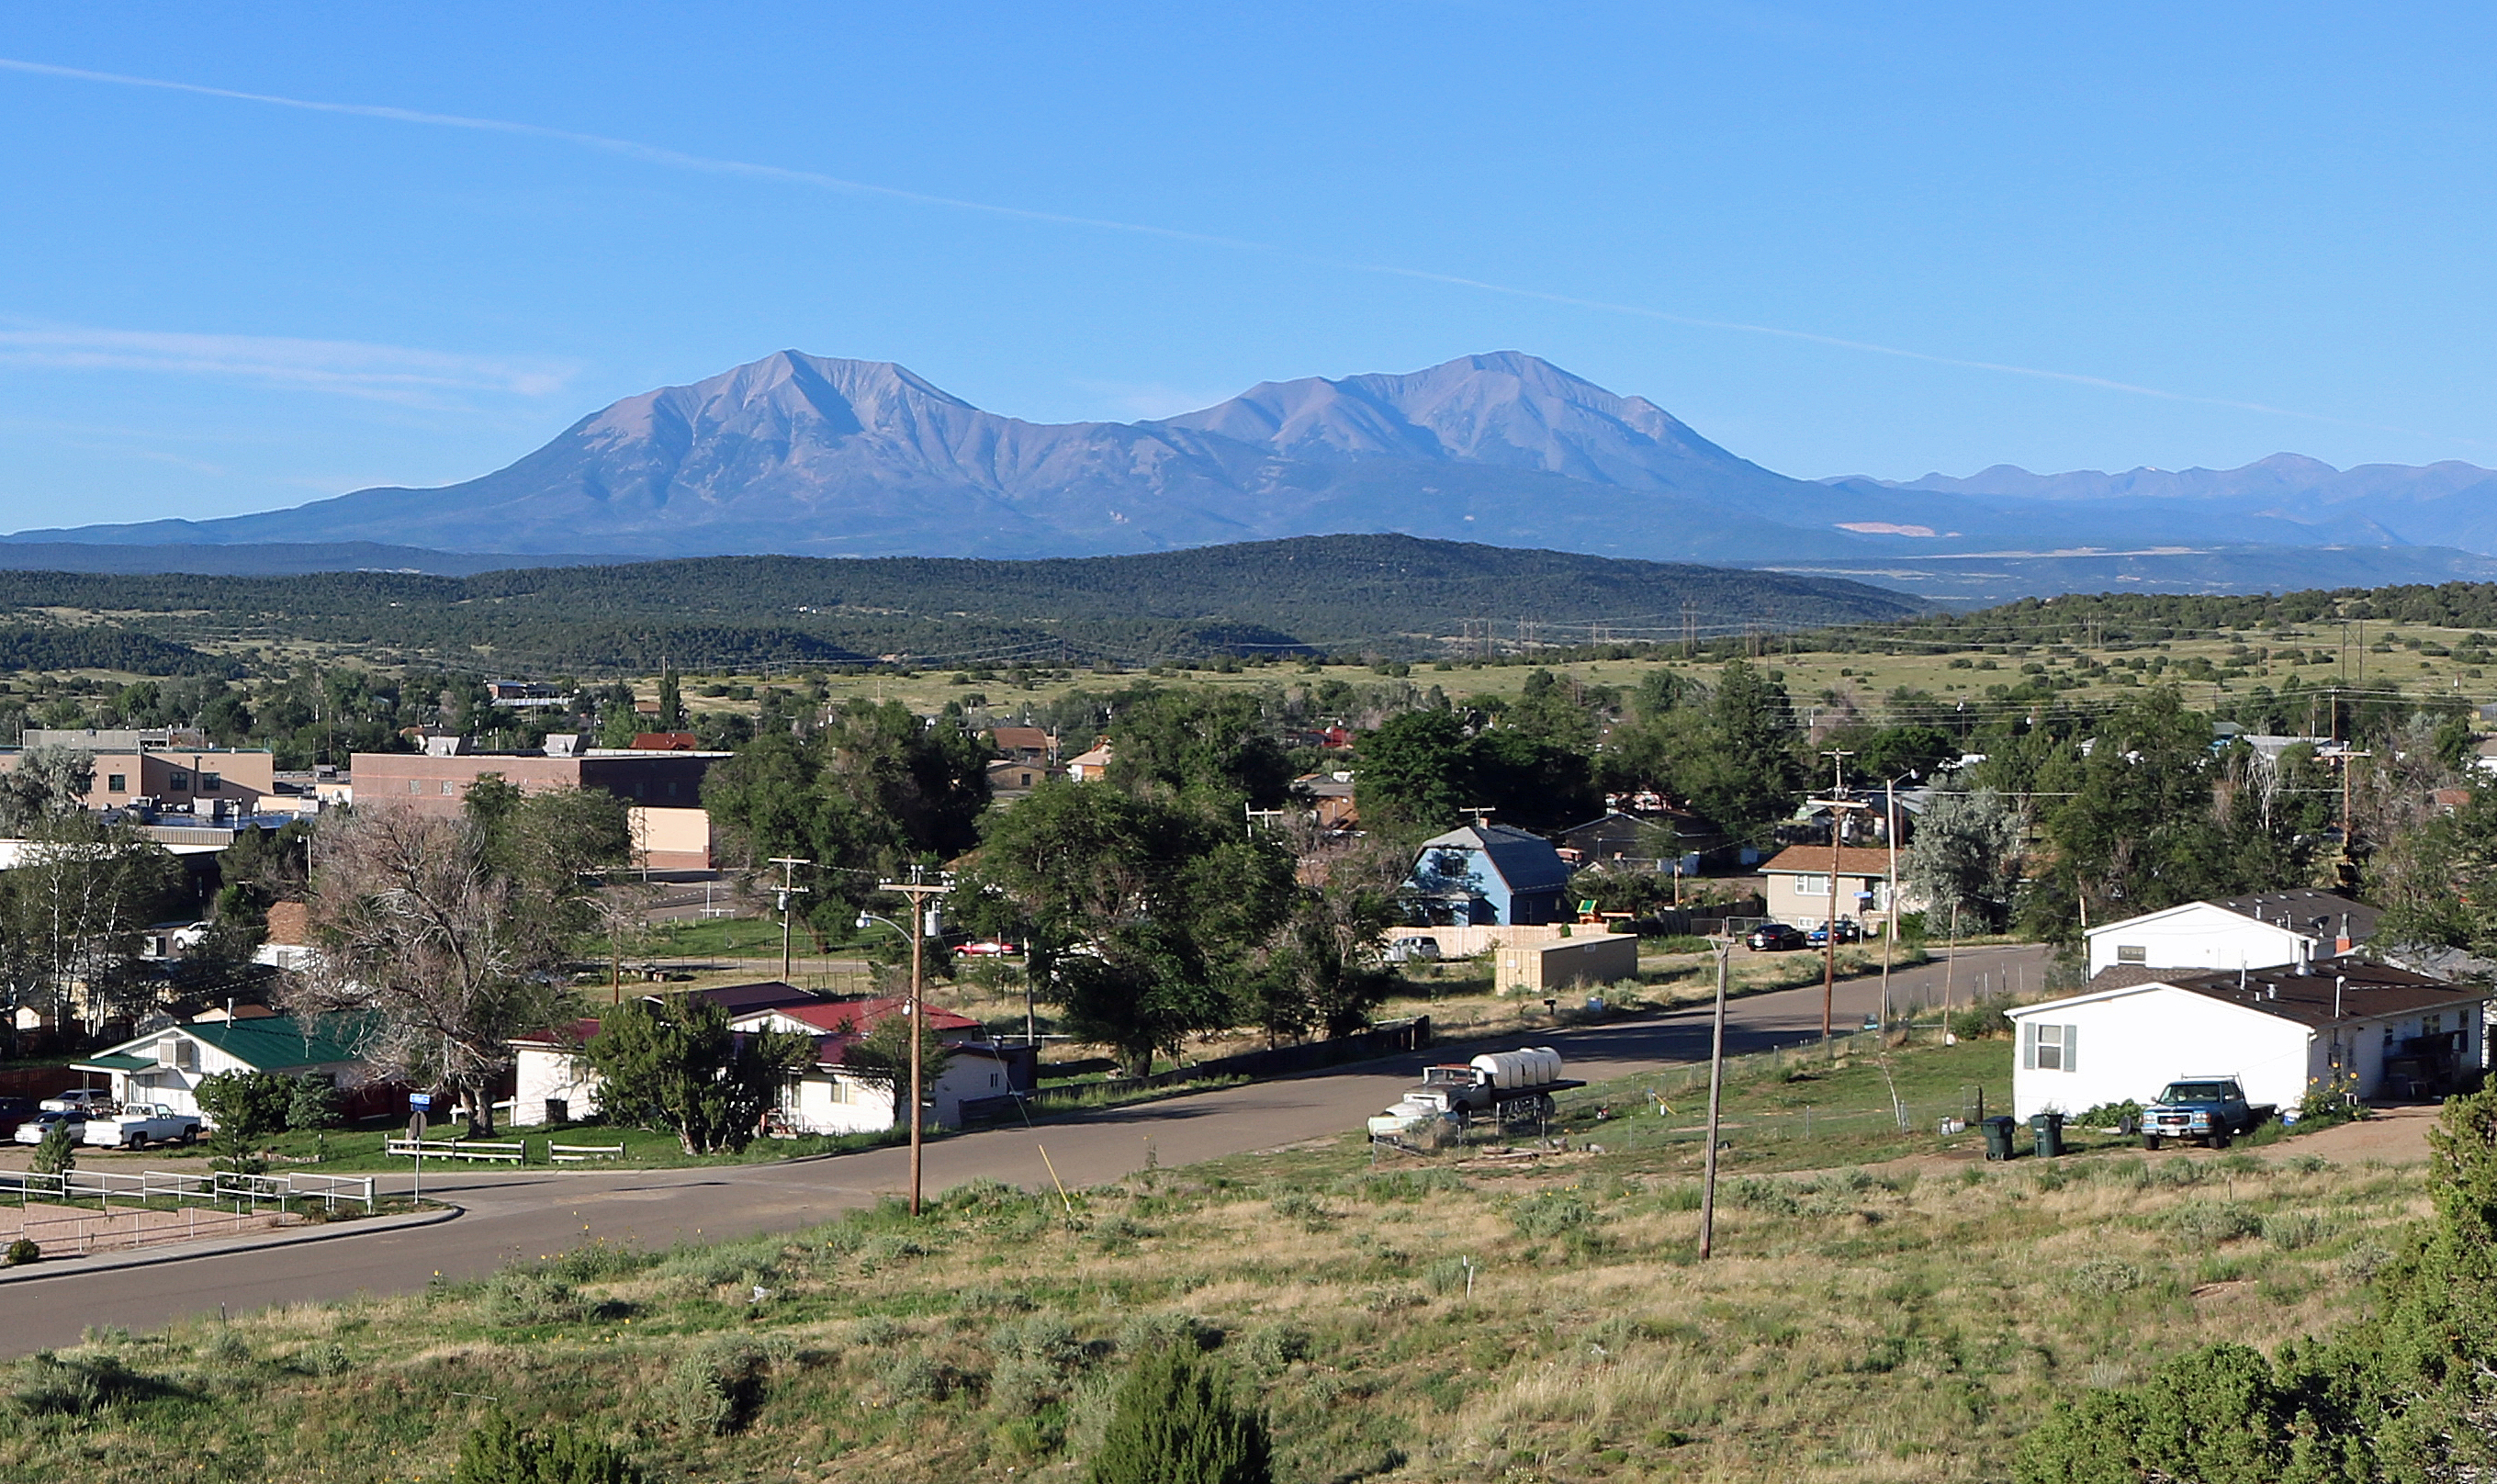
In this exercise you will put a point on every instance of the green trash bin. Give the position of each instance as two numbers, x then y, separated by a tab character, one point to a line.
2046	1131
1998	1138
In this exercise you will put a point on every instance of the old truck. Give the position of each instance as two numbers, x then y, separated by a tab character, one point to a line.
1505	1088
2212	1110
140	1125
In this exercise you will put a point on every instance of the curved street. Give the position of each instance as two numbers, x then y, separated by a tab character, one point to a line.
538	1212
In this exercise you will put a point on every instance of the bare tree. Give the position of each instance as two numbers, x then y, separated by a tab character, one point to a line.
70	912
449	956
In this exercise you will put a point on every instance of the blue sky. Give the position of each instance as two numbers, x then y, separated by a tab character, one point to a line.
2102	235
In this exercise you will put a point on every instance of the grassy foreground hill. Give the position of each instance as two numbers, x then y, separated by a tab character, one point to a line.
1518	1318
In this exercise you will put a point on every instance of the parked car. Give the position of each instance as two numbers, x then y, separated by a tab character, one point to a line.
1412	950
76	1099
138	1126
1850	930
33	1130
1774	937
14	1111
992	948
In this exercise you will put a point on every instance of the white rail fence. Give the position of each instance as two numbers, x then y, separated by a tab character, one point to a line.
286	1193
123	1231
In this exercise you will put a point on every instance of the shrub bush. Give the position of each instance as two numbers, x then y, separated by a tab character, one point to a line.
2102	1277
20	1252
1173	1421
497	1451
716	1385
2208	1223
1549	1214
526	1296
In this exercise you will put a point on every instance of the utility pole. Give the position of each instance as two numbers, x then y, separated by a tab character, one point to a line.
2349	760
1838	804
1890	910
1716	1094
922	921
785	891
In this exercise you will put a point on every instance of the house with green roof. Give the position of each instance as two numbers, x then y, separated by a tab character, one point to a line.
166	1066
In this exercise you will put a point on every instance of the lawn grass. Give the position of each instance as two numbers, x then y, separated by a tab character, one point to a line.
1518	1318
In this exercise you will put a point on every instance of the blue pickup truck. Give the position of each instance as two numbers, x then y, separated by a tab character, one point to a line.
2209	1109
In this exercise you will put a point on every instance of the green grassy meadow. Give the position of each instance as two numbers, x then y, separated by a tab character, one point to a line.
1883	1306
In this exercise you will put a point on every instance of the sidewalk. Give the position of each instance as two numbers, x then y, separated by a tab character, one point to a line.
181	1251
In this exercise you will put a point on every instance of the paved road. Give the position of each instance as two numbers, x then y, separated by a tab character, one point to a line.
529	1214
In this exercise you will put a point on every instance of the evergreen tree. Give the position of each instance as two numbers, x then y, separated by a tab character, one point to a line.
1173	1422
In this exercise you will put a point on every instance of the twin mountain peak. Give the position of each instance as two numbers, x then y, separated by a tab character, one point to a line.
807	455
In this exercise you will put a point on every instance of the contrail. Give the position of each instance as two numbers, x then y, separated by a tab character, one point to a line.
677	159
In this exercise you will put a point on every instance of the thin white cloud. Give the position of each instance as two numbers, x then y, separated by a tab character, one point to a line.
355	368
711	165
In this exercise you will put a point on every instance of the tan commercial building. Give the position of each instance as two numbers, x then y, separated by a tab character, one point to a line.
671	830
176	778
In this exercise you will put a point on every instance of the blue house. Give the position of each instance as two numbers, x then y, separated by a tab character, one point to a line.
1488	876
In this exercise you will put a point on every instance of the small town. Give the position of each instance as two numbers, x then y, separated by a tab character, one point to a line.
1393	745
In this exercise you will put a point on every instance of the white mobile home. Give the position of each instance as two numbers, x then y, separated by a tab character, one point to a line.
2262	932
2375	1032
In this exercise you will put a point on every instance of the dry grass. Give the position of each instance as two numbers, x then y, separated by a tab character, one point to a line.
1904	1321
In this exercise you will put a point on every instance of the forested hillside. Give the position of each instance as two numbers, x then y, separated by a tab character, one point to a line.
1392	595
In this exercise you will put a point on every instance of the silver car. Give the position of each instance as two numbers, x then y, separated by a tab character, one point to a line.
32	1130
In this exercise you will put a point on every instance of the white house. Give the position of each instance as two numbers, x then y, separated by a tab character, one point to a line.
555	1084
166	1066
2279	1032
2261	932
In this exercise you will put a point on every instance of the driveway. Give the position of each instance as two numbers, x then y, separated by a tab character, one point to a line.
535	1213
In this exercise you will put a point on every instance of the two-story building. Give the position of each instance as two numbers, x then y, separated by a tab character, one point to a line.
1488	876
165	770
662	788
1798	886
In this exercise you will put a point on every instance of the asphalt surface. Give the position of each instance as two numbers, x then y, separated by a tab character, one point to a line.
535	1213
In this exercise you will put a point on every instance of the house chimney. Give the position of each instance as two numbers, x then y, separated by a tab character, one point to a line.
2341	944
2305	948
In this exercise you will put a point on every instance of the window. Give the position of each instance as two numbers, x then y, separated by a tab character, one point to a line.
672	788
116	782
2131	953
1812	886
180	782
414	787
212	782
2434	1024
2049	1047
449	787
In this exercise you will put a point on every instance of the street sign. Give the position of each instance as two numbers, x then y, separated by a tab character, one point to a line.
416	1125
419	1099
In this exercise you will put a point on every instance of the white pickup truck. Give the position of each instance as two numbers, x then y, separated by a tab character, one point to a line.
142	1125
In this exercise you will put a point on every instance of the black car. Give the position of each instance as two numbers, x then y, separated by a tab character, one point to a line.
14	1111
1774	937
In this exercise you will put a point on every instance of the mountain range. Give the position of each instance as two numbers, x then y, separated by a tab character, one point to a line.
804	455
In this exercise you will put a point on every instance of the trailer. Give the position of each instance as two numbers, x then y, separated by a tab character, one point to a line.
1507	1089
